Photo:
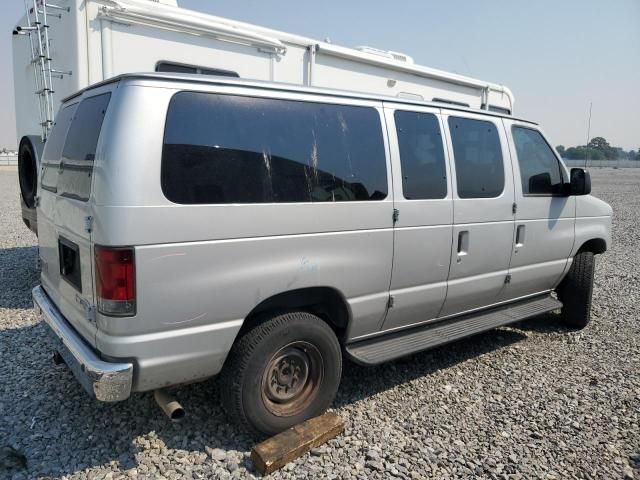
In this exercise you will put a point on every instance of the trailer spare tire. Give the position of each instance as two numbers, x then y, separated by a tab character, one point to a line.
28	160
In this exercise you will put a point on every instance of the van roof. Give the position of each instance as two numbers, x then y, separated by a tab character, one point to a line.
285	87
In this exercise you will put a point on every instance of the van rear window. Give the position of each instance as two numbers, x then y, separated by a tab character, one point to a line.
79	149
221	149
54	146
71	148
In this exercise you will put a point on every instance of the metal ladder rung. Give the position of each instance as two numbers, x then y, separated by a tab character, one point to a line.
40	57
57	15
57	7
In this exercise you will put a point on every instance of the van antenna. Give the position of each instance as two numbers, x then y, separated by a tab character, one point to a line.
586	160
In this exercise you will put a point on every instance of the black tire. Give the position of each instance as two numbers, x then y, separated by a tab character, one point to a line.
576	289
251	379
28	171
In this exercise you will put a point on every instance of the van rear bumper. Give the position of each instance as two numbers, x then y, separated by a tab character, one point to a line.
106	381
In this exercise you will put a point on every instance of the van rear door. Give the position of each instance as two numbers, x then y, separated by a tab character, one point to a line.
65	209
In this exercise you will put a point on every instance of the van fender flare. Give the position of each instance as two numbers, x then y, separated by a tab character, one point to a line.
595	246
325	302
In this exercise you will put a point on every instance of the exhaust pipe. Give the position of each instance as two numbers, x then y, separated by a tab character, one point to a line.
169	405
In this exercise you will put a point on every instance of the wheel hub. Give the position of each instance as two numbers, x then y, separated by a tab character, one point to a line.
291	379
288	375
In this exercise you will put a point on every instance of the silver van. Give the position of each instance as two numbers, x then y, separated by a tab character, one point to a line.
191	227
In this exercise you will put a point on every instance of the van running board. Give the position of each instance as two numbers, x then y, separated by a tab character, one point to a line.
399	344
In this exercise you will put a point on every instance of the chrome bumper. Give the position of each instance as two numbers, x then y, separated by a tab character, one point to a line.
107	382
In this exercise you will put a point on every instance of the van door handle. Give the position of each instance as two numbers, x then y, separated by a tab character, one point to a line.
520	236
463	244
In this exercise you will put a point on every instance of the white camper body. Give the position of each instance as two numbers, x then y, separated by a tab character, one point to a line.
62	47
88	41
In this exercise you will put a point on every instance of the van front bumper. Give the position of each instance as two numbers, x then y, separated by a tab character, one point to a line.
106	381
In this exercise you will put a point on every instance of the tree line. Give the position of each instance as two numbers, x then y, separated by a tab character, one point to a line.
597	149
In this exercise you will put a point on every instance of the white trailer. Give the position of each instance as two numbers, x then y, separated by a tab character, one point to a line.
63	47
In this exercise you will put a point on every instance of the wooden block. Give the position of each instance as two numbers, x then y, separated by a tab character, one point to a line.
277	451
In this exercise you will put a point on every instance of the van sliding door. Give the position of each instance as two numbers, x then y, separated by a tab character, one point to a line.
423	200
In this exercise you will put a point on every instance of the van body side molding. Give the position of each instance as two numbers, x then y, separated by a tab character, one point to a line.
399	344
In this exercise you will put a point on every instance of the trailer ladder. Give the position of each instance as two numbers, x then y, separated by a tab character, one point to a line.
37	29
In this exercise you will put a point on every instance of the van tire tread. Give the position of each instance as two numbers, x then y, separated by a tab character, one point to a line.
576	289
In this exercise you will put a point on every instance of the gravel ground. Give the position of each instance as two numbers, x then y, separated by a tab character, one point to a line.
534	401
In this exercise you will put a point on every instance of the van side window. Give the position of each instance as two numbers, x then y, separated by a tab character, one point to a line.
234	149
78	154
478	158
181	68
540	171
424	173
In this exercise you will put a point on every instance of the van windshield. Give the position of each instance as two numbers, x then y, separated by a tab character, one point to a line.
71	148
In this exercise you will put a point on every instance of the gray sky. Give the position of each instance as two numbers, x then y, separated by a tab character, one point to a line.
556	56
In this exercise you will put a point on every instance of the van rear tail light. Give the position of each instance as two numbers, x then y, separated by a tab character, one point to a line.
115	281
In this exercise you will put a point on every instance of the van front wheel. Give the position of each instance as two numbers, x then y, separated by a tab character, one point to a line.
281	372
575	291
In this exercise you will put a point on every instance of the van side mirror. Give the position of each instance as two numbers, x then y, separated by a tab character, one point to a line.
580	183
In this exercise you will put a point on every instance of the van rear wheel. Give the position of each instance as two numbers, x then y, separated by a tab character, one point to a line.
281	372
576	289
